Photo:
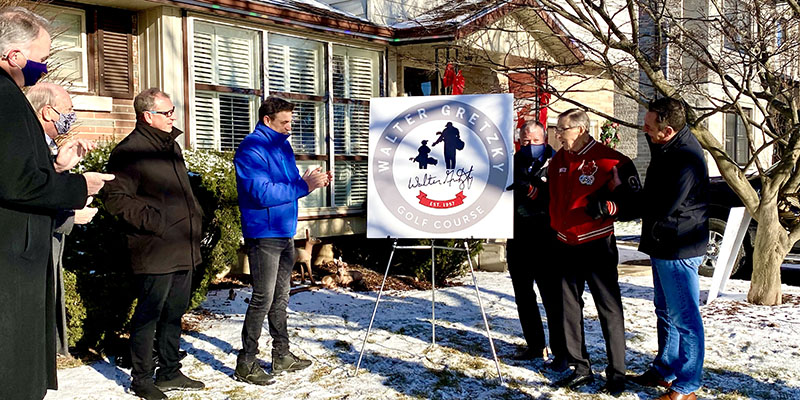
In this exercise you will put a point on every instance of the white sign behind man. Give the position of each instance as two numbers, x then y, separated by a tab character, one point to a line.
439	166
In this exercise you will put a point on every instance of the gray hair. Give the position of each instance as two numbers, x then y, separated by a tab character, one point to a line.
146	100
576	117
19	27
530	124
42	94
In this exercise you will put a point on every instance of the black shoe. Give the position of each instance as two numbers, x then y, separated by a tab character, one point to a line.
574	380
288	362
613	388
179	382
557	365
147	391
252	373
529	354
650	378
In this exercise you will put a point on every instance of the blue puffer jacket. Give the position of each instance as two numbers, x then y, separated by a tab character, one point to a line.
268	183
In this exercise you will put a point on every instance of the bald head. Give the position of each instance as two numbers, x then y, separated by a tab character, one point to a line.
49	101
532	133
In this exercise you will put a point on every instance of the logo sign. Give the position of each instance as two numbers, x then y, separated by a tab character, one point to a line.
439	166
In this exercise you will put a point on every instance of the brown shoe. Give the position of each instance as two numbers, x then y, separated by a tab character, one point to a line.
650	378
673	395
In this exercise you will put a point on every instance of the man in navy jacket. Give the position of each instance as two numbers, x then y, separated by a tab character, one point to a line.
675	235
269	185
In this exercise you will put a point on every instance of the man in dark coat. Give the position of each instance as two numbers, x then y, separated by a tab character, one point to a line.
163	220
452	142
53	106
675	235
31	192
529	252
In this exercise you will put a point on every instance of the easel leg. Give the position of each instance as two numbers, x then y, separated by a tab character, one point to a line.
483	313
374	310
433	296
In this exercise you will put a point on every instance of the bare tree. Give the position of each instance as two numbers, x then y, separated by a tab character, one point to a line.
719	57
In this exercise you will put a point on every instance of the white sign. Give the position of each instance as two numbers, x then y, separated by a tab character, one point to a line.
439	166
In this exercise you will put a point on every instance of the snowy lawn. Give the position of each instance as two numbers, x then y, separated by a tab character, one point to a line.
751	351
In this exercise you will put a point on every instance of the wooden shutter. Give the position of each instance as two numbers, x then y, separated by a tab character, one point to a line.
204	121
115	55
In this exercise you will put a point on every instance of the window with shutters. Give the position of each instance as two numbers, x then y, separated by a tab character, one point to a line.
225	64
69	61
103	50
355	80
295	70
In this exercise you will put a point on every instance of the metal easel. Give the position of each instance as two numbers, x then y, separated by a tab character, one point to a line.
433	299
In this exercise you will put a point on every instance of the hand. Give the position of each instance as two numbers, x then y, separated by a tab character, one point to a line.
598	209
315	179
71	152
615	181
95	181
85	215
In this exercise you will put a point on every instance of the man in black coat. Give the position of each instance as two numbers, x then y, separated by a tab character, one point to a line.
529	251
675	235
31	192
163	221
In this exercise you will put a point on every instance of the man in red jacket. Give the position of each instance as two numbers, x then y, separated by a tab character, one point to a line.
590	185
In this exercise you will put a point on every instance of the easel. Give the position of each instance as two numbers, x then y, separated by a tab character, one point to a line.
433	299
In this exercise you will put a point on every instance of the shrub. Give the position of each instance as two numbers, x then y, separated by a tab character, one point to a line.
374	254
101	300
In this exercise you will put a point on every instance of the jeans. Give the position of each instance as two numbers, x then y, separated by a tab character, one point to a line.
681	341
271	261
162	300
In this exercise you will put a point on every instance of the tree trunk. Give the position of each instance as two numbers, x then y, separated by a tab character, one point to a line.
771	247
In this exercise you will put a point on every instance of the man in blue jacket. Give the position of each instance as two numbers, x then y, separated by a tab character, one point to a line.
269	185
675	235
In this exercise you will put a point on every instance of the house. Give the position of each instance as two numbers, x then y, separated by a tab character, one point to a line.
218	59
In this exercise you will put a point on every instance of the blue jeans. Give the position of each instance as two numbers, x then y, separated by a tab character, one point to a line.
681	341
271	261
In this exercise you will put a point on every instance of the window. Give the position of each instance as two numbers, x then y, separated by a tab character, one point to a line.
69	59
354	83
736	142
295	73
737	24
227	78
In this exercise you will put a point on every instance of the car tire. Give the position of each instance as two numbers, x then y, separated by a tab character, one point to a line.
742	263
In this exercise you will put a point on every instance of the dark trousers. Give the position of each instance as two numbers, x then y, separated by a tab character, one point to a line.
162	300
271	261
593	263
529	261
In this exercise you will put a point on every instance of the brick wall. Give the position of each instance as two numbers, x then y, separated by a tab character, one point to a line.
114	125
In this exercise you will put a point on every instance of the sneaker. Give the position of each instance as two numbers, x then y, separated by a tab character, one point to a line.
179	382
147	390
252	373
288	362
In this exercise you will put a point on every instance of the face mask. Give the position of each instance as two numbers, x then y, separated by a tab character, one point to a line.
64	122
32	71
537	150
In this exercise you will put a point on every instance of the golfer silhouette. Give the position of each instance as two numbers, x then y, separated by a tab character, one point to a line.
452	143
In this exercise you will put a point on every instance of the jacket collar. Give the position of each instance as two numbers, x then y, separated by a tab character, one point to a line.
679	137
157	136
270	134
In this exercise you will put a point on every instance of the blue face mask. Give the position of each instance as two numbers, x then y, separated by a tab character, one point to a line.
32	71
532	150
64	122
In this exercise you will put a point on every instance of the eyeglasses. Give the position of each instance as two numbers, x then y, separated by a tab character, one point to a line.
561	130
164	113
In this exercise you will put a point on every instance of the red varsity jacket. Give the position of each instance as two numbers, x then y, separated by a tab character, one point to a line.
575	177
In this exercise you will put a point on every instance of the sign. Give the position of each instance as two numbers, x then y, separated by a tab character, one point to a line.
439	166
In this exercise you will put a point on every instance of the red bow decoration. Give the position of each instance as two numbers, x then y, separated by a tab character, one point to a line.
449	74
458	83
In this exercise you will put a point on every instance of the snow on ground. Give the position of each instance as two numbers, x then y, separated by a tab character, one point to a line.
751	351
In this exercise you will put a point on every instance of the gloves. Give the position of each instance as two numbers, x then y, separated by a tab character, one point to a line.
530	191
598	209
